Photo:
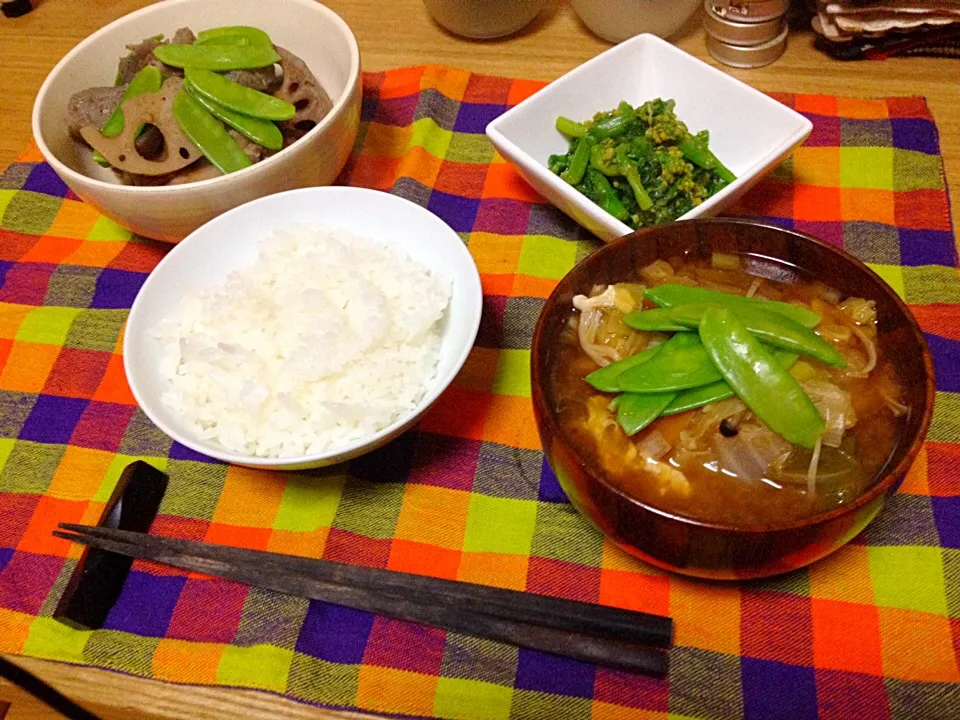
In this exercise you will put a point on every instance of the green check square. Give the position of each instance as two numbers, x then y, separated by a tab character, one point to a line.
470	148
30	467
323	682
370	508
471	700
532	705
194	489
500	525
945	426
546	257
564	534
914	170
908	577
6	447
951	575
513	373
866	167
428	135
30	213
259	666
309	502
47	325
106	229
5	197
928	284
892	275
52	640
96	330
121	651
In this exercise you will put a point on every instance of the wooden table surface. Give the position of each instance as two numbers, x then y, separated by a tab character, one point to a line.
396	34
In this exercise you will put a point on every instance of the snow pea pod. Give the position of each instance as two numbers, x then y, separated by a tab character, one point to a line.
637	410
252	35
715	392
208	134
263	132
605	379
660	319
212	56
672	295
147	80
771	328
683	363
759	379
237	97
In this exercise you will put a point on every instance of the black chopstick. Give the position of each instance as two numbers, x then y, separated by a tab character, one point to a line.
405	602
557	613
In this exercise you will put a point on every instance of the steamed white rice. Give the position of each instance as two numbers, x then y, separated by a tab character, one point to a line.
326	339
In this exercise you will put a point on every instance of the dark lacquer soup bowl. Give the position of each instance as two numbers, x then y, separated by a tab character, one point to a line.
712	549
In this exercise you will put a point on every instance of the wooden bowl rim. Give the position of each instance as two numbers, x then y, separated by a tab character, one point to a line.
875	490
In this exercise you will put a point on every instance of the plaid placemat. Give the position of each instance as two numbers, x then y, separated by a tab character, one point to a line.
871	632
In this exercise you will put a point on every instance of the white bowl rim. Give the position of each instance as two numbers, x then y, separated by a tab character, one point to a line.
543	173
440	384
64	170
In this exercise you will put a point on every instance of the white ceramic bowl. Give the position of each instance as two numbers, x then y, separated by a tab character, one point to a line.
617	20
750	132
229	242
310	30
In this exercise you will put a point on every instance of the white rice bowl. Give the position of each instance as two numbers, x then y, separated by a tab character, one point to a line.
202	381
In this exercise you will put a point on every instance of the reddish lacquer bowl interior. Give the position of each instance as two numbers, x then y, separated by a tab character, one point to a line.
710	550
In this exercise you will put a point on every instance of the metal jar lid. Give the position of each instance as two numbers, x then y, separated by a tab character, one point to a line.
749	10
747	56
740	33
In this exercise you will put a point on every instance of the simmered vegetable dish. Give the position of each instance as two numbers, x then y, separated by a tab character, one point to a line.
727	397
642	165
198	106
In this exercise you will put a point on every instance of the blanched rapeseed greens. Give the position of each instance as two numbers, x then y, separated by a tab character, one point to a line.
642	165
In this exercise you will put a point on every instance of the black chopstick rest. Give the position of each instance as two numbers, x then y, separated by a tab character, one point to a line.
98	579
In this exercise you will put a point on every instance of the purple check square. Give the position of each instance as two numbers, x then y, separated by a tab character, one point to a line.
825	133
473	118
334	633
457	212
491	321
396	111
5	555
946	513
915	134
946	362
26	580
116	289
44	180
777	691
4	267
182	452
368	109
390	463
53	419
553	674
146	604
550	490
927	247
503	216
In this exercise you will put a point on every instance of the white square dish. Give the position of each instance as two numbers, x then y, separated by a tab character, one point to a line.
749	131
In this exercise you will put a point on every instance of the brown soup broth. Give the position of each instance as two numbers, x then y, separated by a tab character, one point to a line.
712	493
